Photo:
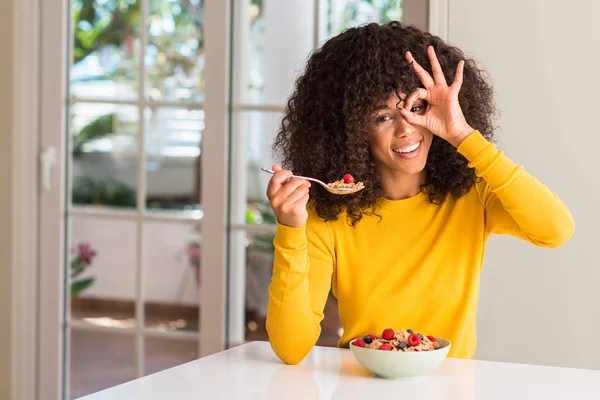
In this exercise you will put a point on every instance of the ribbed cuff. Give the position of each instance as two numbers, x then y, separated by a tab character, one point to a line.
475	147
289	238
489	163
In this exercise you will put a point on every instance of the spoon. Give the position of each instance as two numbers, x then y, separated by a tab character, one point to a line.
327	187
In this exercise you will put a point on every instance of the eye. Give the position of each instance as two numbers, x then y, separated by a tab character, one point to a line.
382	119
420	108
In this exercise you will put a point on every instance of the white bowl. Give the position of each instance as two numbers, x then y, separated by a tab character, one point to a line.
400	364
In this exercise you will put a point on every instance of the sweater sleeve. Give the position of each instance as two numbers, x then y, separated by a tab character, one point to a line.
302	270
515	202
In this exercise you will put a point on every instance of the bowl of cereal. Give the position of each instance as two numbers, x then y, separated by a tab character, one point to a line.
400	354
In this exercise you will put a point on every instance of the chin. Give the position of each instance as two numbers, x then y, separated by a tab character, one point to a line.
413	171
414	168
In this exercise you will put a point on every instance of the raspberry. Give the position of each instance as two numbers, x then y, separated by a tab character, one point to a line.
385	346
388	334
348	178
431	339
372	335
414	340
359	342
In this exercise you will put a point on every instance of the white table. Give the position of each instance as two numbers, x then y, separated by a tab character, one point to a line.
252	371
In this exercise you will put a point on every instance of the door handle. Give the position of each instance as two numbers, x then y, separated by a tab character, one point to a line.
47	161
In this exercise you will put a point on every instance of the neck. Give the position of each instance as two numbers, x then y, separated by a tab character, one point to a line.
400	186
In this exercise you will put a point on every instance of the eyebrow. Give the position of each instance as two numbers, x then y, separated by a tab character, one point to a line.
382	107
386	107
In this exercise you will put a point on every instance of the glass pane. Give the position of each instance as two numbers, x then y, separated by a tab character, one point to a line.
271	43
173	159
343	14
171	276
100	360
162	354
256	263
253	134
105	52
175	51
104	154
251	253
103	271
258	270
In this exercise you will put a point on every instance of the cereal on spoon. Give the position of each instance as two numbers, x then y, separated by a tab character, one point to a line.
347	182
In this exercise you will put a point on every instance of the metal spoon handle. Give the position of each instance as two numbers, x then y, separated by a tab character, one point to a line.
270	171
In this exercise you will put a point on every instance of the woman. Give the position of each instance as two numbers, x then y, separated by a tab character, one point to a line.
412	118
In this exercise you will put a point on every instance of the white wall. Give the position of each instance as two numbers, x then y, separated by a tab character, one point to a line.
168	276
537	305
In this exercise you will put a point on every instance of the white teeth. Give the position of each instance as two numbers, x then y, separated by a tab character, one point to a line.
407	149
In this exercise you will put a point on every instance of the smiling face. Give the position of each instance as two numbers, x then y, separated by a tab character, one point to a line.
399	149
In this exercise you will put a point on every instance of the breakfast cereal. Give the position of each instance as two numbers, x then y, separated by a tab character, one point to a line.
403	340
347	182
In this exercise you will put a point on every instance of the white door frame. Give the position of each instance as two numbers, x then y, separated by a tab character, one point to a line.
25	91
438	18
215	176
52	98
52	114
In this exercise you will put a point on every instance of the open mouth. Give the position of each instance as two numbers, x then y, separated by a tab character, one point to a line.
409	151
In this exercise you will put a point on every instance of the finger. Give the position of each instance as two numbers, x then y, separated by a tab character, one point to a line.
288	188
419	93
423	75
281	177
412	118
297	195
277	180
303	200
286	197
438	73
458	77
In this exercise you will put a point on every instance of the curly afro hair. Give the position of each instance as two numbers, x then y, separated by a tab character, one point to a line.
324	130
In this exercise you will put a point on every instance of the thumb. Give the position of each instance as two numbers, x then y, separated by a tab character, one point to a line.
276	167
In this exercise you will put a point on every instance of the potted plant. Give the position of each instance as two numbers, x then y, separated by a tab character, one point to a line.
84	255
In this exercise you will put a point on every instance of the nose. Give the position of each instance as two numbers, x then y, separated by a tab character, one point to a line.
403	128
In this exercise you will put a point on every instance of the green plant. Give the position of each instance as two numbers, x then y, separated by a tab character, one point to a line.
97	129
114	25
109	30
84	255
261	213
108	192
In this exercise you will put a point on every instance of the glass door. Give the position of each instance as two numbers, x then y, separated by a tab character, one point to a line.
124	108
